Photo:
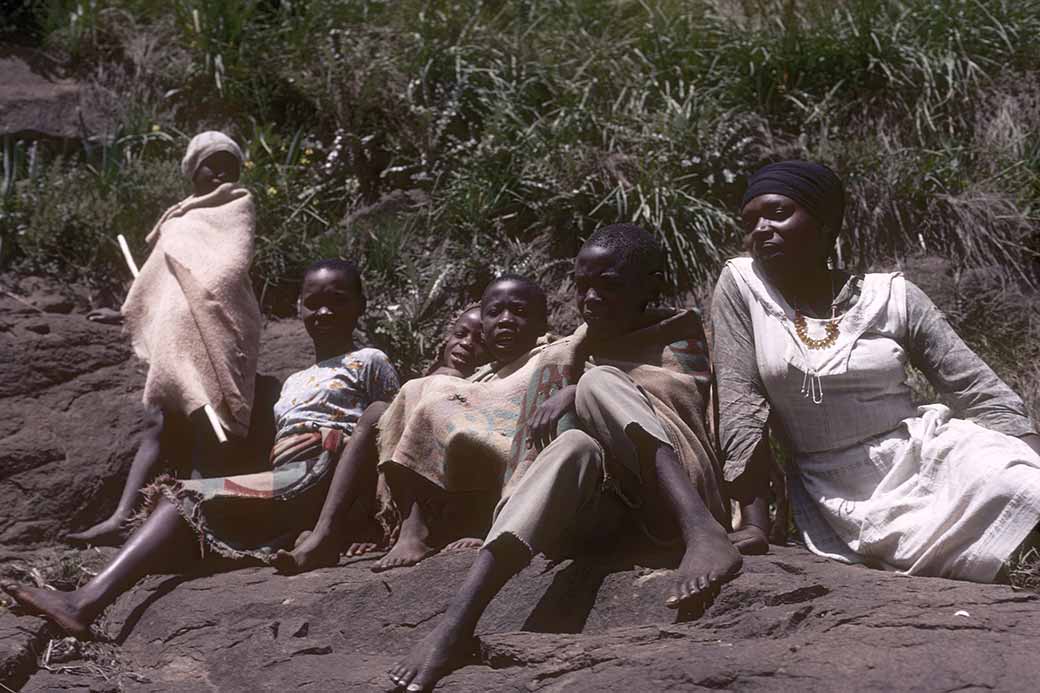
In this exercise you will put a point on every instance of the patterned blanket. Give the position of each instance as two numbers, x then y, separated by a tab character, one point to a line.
467	437
252	515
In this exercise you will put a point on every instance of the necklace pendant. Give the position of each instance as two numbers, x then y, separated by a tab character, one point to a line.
801	328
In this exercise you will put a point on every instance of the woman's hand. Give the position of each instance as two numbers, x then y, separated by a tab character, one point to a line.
105	315
542	428
750	541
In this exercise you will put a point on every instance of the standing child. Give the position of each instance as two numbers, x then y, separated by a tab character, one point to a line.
251	516
192	316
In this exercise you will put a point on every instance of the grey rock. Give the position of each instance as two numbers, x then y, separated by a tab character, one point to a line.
790	621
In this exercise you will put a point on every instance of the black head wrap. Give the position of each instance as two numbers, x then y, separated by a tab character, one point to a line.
814	186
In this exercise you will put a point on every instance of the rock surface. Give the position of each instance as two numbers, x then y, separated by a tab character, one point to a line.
792	621
69	408
70	392
40	100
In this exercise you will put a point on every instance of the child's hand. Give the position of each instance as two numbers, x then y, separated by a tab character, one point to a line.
542	428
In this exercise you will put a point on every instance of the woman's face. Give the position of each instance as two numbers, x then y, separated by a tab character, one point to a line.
785	239
215	170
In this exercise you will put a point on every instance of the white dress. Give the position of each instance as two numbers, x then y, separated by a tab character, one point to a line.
876	479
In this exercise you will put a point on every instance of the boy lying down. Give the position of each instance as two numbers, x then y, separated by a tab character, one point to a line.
611	435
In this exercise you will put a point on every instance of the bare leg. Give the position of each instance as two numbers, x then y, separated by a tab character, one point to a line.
452	639
163	537
413	544
709	559
355	474
146	466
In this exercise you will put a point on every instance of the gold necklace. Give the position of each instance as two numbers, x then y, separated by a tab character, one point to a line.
802	330
831	326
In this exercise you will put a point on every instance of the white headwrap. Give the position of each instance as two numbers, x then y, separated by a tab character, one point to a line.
206	144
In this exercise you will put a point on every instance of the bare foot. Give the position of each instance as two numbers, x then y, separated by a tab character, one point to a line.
464	544
750	541
707	563
407	551
111	532
312	550
360	548
59	607
439	653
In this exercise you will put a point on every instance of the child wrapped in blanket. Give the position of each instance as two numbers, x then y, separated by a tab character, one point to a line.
193	317
320	421
441	438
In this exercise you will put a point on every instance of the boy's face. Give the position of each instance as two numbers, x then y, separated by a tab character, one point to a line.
214	171
611	293
329	306
513	319
464	350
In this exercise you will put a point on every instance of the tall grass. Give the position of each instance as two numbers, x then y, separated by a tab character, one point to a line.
444	141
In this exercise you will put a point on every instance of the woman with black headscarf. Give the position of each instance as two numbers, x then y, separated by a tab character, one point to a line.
937	490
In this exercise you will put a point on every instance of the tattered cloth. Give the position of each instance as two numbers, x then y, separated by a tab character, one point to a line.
191	312
471	437
254	515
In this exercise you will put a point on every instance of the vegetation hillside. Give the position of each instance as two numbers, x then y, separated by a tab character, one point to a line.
441	142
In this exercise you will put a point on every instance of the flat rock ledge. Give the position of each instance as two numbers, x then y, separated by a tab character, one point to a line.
791	621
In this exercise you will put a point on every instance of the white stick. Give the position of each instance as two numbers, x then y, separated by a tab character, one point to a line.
218	430
127	256
215	423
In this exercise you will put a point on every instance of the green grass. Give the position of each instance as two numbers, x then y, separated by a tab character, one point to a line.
442	142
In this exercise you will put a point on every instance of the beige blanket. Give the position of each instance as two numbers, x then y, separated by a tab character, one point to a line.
191	312
471	436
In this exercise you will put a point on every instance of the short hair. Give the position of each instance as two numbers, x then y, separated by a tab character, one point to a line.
347	267
542	301
634	243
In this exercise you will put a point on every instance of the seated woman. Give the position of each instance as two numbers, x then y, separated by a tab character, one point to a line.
460	476
635	453
192	315
355	476
919	490
251	516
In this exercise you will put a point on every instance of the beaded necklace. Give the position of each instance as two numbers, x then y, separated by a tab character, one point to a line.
801	328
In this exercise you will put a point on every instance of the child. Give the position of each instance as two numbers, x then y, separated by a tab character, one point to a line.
641	457
355	475
193	317
464	348
476	417
250	516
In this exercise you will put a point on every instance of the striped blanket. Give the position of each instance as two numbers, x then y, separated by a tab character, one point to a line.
254	515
